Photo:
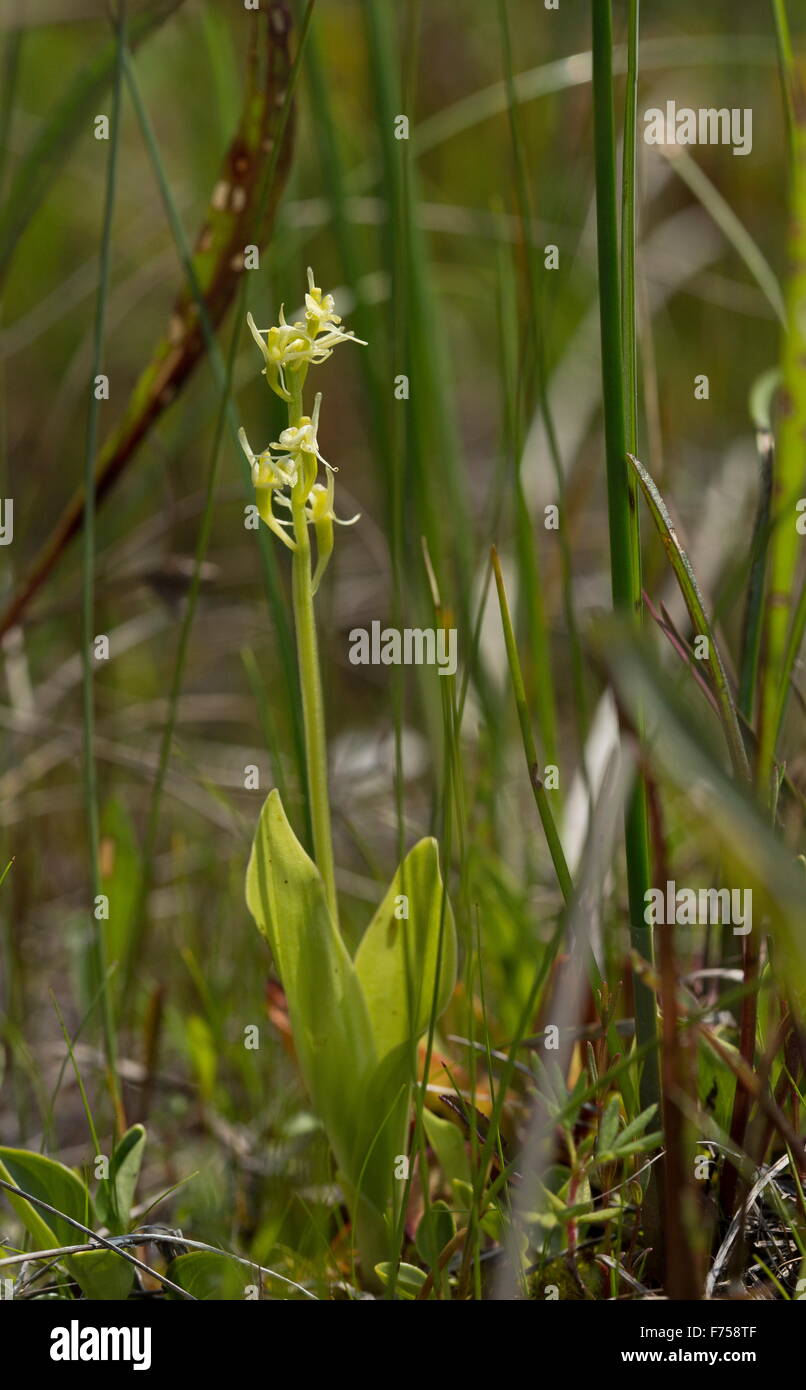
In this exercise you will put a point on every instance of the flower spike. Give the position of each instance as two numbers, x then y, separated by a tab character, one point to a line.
286	472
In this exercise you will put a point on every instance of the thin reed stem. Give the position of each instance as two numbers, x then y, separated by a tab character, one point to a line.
100	964
310	679
621	502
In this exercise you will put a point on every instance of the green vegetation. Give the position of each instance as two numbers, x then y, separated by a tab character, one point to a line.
525	1013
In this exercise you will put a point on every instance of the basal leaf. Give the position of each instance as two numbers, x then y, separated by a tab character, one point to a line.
116	1194
332	1035
103	1276
52	1182
208	1275
399	959
448	1144
435	1230
409	1279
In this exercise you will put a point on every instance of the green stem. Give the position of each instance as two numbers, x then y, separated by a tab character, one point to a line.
313	712
628	182
100	961
789	478
622	509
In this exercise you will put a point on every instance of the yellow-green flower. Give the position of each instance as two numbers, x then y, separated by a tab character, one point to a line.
320	314
269	475
320	514
284	343
297	345
286	472
300	447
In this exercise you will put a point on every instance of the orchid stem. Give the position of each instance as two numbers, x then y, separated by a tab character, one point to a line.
313	713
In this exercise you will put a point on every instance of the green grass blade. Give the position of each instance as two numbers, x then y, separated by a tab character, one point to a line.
563	74
431	426
622	517
212	275
727	817
529	747
787	67
140	921
67	120
761	416
733	230
88	582
365	318
628	232
531	594
227	416
792	648
782	637
693	600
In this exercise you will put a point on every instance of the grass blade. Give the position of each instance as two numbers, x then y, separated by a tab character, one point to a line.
725	813
782	637
67	120
532	761
734	231
760	413
628	191
226	416
624	552
88	586
212	277
692	597
787	67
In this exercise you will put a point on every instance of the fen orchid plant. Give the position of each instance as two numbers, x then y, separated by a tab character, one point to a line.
356	1019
